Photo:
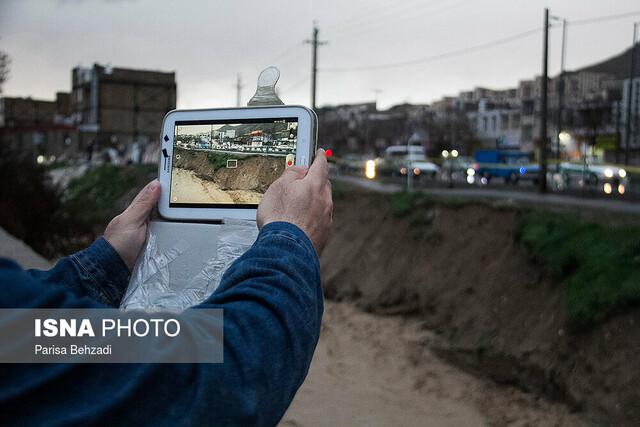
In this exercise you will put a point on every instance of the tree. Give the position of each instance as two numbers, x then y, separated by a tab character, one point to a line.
5	62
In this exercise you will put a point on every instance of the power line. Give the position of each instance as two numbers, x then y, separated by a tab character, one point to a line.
604	18
286	53
373	13
475	48
394	16
439	56
295	85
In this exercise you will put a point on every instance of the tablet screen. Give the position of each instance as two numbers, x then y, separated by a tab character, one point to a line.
229	164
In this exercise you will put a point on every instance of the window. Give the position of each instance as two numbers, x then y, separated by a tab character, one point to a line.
527	108
515	121
504	121
527	133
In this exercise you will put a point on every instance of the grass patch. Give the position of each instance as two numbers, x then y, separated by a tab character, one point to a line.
219	160
598	265
404	204
91	200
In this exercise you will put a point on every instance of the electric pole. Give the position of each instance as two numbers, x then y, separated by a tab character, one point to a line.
238	89
561	94
627	137
314	63
543	119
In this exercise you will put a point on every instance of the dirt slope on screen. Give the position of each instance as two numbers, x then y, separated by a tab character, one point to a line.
253	173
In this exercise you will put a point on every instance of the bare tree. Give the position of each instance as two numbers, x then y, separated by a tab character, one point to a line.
5	62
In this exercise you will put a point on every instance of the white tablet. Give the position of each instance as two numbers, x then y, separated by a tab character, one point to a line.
218	163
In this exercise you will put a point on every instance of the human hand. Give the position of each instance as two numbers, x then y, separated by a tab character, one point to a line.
302	197
127	231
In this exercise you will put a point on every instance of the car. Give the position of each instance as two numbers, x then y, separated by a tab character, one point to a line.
504	164
457	168
592	171
403	159
530	172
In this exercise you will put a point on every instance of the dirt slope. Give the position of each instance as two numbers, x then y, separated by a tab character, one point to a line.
494	312
380	371
254	173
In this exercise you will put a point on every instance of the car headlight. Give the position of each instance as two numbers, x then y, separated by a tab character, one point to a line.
622	173
608	172
370	169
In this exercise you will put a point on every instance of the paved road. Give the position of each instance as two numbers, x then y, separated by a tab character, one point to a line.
483	193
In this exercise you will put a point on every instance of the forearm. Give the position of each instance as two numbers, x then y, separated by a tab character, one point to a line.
97	272
272	301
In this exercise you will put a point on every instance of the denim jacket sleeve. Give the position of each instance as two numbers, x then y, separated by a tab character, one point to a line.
273	303
97	272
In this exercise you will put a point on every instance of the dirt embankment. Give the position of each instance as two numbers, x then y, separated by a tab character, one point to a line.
253	173
494	312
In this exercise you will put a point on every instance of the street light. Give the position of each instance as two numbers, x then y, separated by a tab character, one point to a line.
561	88
627	138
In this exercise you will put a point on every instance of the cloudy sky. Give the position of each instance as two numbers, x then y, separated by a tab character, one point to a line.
393	51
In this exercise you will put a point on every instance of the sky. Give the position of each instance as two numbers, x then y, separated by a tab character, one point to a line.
441	47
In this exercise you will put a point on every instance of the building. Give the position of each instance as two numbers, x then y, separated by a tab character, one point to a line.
109	110
120	108
496	124
38	127
633	126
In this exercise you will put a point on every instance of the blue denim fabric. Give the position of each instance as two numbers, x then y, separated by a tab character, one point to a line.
97	272
272	301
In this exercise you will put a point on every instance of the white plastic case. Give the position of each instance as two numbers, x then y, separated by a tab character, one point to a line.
193	200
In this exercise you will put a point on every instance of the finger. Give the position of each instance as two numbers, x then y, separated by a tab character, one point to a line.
319	170
141	207
294	173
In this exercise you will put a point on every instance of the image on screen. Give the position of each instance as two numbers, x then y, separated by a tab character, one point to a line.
225	164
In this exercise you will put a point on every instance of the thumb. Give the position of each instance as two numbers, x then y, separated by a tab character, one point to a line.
294	173
141	207
320	168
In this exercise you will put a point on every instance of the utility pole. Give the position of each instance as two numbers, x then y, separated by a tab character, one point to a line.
543	119
238	89
377	92
314	63
561	93
627	137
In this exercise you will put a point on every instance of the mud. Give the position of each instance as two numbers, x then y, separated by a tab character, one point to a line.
253	173
494	312
381	370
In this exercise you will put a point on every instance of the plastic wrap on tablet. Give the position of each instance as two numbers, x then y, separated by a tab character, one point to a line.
152	285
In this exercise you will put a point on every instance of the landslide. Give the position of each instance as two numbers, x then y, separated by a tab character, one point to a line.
460	270
254	173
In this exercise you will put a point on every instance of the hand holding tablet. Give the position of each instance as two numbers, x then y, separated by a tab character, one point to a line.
218	163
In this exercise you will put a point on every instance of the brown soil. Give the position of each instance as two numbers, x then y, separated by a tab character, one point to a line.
494	312
381	370
255	173
187	187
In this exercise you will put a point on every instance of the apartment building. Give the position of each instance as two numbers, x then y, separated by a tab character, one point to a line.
110	109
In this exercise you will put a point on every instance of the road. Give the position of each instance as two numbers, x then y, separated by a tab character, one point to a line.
494	193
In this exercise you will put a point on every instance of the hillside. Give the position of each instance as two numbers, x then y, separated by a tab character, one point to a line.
618	65
460	269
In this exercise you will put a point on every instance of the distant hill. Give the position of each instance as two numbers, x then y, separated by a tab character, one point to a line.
617	65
